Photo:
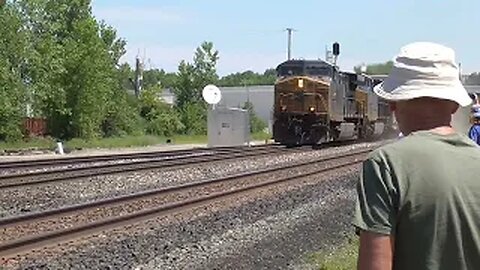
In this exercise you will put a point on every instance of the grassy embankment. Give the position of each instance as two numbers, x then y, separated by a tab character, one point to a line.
114	142
342	258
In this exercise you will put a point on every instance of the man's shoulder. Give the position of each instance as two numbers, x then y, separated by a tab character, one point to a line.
405	144
418	145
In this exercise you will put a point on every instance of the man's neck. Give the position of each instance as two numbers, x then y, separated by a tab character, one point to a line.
441	130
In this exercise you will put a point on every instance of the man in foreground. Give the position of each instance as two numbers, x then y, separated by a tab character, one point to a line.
419	198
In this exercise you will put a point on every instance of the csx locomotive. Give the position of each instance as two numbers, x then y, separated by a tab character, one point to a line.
315	102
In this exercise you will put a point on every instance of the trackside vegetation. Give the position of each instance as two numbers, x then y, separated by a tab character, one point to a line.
59	63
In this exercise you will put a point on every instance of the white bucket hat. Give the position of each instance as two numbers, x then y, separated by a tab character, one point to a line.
424	69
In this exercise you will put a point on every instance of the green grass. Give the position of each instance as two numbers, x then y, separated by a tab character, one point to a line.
343	257
189	139
261	136
35	143
114	142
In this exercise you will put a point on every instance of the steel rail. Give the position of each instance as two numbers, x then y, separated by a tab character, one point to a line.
44	177
112	157
34	241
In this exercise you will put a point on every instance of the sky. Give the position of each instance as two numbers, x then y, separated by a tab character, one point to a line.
250	35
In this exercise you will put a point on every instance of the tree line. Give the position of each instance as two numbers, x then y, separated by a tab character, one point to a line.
58	62
384	68
156	76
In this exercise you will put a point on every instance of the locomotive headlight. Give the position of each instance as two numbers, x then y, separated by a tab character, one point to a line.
312	109
300	83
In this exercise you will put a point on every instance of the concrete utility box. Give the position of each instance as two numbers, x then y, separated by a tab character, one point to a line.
228	127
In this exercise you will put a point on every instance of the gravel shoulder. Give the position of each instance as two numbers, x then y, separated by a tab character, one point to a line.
274	231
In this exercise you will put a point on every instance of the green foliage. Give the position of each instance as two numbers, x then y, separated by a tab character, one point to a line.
261	136
58	62
72	69
122	116
194	118
249	78
376	69
256	124
191	78
161	119
154	77
13	56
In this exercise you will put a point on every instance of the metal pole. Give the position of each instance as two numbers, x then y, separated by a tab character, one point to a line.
460	72
248	113
289	44
138	76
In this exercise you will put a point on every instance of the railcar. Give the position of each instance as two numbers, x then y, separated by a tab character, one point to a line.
315	102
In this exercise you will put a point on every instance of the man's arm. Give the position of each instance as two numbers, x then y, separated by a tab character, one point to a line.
376	251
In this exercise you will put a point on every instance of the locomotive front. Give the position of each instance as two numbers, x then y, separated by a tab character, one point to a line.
301	107
316	103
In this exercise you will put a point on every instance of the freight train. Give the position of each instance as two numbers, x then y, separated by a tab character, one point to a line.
315	103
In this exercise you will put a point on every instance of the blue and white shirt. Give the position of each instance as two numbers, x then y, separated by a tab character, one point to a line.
474	133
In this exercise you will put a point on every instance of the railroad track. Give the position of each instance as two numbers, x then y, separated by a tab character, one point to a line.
64	174
54	162
24	233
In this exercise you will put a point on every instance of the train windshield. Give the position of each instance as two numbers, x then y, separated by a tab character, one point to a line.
304	70
318	71
290	71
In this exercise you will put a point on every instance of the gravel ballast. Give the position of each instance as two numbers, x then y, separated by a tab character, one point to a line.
275	231
37	198
129	207
86	164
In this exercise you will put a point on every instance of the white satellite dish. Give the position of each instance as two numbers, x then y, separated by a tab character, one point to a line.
211	94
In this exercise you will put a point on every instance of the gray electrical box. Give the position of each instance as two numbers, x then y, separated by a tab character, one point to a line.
228	127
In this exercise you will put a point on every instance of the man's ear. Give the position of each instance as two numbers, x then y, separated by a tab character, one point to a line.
455	108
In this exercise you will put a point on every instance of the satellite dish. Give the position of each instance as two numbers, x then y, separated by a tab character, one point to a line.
211	94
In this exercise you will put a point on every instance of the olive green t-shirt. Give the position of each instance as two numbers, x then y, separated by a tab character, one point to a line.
424	189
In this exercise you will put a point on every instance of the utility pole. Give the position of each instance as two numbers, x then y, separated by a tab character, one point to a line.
138	76
289	44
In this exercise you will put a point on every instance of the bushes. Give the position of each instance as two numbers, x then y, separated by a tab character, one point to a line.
160	119
164	123
194	119
256	124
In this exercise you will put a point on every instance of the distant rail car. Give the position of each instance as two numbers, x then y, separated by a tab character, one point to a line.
315	102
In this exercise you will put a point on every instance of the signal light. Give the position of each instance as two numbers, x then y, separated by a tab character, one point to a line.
312	109
336	49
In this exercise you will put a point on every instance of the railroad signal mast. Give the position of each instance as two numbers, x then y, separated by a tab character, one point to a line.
331	56
336	52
